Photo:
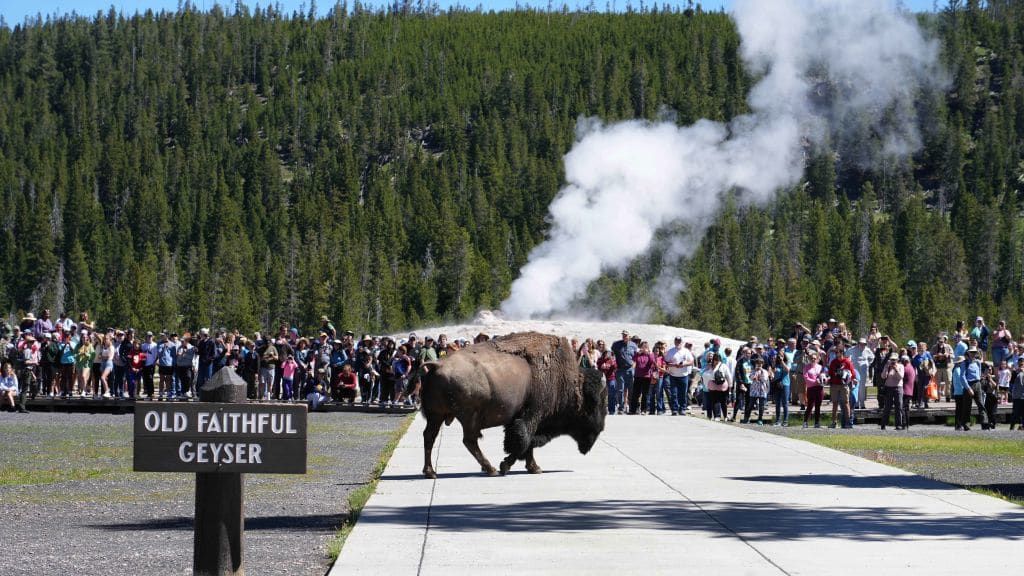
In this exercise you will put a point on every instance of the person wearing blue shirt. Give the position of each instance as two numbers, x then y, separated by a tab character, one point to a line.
624	350
972	373
166	353
924	364
961	394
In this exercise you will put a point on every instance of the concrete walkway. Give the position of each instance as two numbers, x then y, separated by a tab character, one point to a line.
664	495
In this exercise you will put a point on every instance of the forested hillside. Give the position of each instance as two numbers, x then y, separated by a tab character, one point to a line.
390	169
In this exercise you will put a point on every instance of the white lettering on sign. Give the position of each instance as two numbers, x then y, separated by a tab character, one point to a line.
165	422
220	453
236	423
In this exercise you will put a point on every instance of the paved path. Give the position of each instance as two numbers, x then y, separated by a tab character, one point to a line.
663	495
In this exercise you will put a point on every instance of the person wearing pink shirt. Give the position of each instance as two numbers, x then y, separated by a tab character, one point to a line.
645	365
288	368
909	378
814	390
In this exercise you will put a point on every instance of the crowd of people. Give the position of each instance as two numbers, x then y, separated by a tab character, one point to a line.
62	358
979	367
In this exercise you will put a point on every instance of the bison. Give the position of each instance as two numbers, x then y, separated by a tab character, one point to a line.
529	383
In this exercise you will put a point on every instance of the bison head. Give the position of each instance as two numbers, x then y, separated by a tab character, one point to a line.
593	410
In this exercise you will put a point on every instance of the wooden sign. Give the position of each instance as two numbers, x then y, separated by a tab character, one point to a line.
218	437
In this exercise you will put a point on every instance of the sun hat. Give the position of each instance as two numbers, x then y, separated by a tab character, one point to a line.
862	341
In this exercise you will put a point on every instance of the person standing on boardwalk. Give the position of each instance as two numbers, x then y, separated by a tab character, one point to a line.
812	381
862	358
679	361
892	378
625	351
606	364
842	377
991	387
943	354
760	382
1001	340
1017	396
973	374
961	394
718	378
909	388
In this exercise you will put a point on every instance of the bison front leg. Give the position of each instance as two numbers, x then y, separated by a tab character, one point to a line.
518	437
429	435
531	464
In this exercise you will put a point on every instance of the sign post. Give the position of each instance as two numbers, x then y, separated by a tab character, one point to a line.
220	439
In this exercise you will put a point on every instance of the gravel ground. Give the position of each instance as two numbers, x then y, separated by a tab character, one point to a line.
961	465
72	505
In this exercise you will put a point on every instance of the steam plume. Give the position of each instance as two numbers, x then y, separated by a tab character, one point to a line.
627	180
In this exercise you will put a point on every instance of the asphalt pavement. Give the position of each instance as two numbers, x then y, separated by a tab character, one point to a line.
674	495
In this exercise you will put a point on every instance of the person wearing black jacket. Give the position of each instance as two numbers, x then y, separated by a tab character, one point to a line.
207	354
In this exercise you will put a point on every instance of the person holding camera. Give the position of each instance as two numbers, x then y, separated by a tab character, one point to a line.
892	375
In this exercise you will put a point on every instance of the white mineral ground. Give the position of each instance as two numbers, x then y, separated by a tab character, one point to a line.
493	324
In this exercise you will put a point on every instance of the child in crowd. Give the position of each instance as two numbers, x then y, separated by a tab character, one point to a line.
1005	375
8	385
136	362
316	398
288	368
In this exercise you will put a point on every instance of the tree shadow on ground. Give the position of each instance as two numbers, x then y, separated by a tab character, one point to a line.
757	521
909	482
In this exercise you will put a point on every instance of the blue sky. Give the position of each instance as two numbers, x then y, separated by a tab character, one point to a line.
15	11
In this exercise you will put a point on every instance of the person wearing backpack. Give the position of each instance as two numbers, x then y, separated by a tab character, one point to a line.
718	379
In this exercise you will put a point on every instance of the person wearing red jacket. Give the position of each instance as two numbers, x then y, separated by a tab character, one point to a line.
841	376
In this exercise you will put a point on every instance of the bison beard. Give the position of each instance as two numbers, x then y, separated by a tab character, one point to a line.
529	383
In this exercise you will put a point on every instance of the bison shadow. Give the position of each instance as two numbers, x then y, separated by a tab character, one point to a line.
763	521
476	474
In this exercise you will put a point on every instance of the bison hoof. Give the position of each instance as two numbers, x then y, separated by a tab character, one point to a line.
429	473
504	468
534	470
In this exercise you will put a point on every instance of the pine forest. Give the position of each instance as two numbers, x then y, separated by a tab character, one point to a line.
392	168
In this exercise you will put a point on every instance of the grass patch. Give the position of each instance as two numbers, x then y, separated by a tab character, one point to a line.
939	457
1003	449
997	494
11	476
357	498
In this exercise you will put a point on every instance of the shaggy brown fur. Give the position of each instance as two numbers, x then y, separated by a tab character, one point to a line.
528	382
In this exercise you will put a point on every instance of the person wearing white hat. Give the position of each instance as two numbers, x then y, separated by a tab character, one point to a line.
892	375
973	375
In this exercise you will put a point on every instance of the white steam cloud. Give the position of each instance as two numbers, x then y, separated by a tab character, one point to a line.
820	64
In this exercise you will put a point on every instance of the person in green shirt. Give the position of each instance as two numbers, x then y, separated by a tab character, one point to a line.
84	356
